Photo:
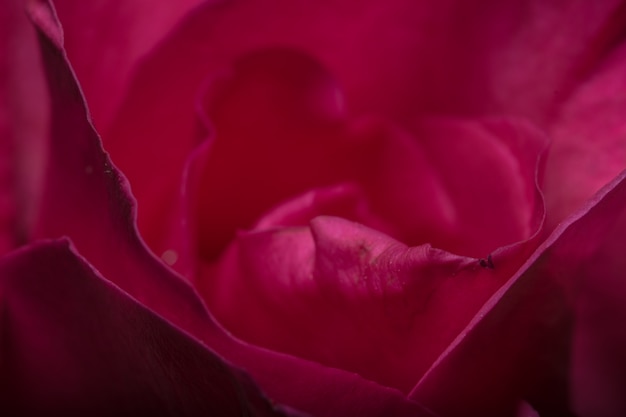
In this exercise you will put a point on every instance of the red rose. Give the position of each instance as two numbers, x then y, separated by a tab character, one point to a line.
350	197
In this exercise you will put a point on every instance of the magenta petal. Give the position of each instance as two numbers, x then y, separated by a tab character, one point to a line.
89	201
349	297
75	344
518	344
23	121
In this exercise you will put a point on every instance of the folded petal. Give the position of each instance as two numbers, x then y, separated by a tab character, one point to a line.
89	201
350	297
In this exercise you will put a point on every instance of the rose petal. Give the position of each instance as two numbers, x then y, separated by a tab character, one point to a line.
467	187
488	169
396	57
74	343
349	297
399	59
589	147
23	118
96	211
518	344
104	58
590	264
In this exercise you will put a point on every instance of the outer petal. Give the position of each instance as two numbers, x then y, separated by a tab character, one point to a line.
96	211
105	40
23	117
589	147
75	344
519	343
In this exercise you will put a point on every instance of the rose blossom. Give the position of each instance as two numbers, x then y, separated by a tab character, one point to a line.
350	198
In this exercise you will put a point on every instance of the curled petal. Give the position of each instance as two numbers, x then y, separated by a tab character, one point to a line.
349	297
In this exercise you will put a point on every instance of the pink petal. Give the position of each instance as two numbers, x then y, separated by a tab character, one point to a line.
76	344
517	346
349	297
105	40
94	208
589	147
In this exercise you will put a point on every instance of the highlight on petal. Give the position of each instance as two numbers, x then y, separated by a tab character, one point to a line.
348	297
73	343
554	326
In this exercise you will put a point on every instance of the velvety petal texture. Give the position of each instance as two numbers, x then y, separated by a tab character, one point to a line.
460	58
280	128
350	297
23	121
96	212
264	135
74	344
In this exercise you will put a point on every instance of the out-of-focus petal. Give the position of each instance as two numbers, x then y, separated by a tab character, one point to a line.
589	147
23	118
490	170
75	344
280	129
90	202
105	40
398	59
520	340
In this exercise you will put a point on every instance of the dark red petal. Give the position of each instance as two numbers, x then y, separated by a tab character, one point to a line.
105	40
75	344
518	345
589	147
95	209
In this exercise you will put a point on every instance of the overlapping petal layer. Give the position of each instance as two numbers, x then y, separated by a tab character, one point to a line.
398	59
74	344
96	212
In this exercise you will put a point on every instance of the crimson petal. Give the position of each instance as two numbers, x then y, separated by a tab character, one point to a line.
94	208
519	343
73	343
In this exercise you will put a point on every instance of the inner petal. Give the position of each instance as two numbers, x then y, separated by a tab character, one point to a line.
278	131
